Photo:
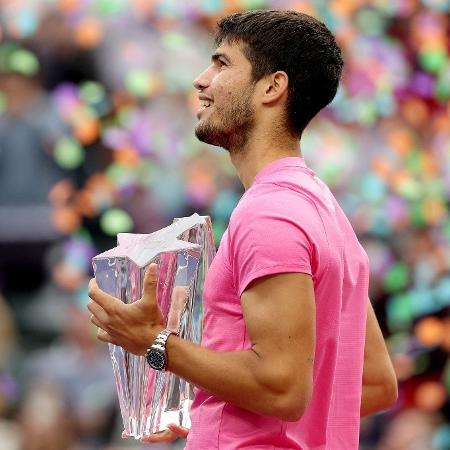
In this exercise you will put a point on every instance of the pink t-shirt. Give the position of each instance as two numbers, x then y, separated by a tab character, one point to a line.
288	221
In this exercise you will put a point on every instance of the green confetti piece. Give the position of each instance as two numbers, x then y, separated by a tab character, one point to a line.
92	92
139	83
219	228
110	7
434	60
173	40
400	312
330	173
68	154
24	62
367	114
434	188
396	278
421	363
414	161
370	22
416	215
442	91
442	85
253	4
116	221
83	234
6	49
411	189
120	175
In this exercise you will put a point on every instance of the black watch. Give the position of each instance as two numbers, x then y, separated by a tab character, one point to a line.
156	355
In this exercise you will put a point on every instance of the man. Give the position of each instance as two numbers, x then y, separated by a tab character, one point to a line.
286	303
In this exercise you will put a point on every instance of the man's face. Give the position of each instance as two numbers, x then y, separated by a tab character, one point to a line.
227	115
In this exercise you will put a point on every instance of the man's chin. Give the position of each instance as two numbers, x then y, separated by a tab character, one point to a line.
205	134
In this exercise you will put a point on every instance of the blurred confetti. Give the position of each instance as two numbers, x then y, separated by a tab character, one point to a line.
130	161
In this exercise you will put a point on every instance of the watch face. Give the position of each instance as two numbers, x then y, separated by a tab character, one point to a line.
156	359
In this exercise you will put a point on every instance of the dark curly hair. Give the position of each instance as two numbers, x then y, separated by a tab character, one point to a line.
295	43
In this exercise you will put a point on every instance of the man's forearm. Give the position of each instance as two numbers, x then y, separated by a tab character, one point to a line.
264	379
239	377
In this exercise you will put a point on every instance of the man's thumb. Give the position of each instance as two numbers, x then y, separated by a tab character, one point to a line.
150	282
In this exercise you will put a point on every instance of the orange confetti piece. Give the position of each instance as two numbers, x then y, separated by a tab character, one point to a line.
87	132
126	157
88	33
65	219
430	331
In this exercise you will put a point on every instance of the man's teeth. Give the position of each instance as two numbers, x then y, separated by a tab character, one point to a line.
205	103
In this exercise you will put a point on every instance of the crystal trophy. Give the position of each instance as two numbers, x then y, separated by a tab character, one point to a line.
150	400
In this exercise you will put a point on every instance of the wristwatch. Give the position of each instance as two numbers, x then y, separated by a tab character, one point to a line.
156	355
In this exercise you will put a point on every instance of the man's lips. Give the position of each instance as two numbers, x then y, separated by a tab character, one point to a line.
205	98
205	103
202	109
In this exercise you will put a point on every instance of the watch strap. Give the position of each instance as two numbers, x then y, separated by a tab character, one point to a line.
161	339
159	345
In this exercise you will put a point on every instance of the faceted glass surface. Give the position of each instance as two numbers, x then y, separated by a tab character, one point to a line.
150	400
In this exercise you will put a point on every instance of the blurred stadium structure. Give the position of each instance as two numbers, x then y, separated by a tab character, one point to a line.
96	137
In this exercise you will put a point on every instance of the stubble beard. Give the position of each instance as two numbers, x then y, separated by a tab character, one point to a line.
232	126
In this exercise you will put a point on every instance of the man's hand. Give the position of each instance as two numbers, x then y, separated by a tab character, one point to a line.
132	326
174	432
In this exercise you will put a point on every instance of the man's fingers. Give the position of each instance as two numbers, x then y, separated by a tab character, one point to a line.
163	436
101	298
174	432
102	335
179	431
96	322
98	312
150	283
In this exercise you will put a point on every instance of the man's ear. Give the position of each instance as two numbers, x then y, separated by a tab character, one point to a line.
275	87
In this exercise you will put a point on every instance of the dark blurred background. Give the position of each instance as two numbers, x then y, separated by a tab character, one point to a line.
96	137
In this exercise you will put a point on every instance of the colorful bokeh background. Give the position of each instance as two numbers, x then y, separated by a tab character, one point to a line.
97	112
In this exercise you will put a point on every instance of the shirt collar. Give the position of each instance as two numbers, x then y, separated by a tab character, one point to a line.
278	164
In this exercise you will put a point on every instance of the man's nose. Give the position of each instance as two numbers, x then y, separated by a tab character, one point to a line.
202	81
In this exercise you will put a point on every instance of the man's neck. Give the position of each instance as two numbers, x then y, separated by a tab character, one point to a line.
259	152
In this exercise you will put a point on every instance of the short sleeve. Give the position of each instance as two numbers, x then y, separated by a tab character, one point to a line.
267	239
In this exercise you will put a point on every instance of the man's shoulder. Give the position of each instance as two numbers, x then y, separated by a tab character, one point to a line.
265	198
268	207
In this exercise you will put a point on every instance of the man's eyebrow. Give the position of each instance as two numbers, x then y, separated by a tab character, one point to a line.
215	56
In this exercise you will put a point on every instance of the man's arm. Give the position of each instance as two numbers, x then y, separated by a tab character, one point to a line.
273	378
379	383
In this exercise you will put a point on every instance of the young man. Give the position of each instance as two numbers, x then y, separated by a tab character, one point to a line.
285	338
